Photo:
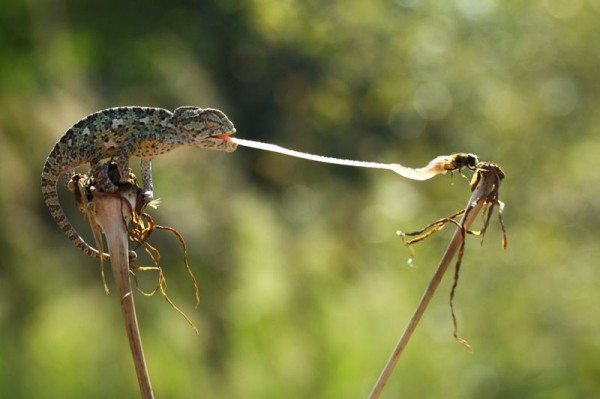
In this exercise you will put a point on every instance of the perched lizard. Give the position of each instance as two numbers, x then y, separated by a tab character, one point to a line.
120	133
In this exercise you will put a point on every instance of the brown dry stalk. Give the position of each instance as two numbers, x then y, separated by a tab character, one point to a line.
485	185
111	212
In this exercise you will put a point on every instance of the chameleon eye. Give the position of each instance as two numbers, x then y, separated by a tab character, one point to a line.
213	118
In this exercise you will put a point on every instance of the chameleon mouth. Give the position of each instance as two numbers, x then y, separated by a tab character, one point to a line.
223	142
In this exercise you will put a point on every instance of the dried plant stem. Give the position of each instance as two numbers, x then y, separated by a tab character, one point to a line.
485	186
110	213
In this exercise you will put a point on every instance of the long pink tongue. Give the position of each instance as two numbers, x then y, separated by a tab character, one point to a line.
435	167
222	136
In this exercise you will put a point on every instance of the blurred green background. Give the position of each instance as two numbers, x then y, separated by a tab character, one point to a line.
304	284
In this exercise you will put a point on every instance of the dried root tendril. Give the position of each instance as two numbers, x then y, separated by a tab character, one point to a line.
430	230
492	201
142	227
80	185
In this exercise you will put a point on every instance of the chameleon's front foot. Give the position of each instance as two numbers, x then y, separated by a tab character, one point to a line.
148	196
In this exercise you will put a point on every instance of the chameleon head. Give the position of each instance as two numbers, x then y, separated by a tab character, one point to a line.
205	127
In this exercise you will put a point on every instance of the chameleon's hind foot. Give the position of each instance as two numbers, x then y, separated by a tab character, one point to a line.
103	181
109	176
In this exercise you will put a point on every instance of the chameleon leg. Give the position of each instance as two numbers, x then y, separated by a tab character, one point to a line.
147	187
122	162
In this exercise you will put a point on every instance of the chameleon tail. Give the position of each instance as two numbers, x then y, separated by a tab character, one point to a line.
50	193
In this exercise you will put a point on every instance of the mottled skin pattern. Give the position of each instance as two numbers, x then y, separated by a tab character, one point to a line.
119	133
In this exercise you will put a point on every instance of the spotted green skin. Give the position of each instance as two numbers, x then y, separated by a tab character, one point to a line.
119	133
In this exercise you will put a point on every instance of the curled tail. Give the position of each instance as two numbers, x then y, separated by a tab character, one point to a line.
50	193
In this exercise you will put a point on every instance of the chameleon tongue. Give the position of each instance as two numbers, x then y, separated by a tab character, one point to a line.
222	136
436	167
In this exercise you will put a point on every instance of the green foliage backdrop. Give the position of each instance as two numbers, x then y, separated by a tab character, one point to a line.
304	285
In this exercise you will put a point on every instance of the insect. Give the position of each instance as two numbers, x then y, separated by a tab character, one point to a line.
461	160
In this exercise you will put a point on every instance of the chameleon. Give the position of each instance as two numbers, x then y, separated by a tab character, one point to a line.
119	133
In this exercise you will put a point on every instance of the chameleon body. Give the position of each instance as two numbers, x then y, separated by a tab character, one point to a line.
119	133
